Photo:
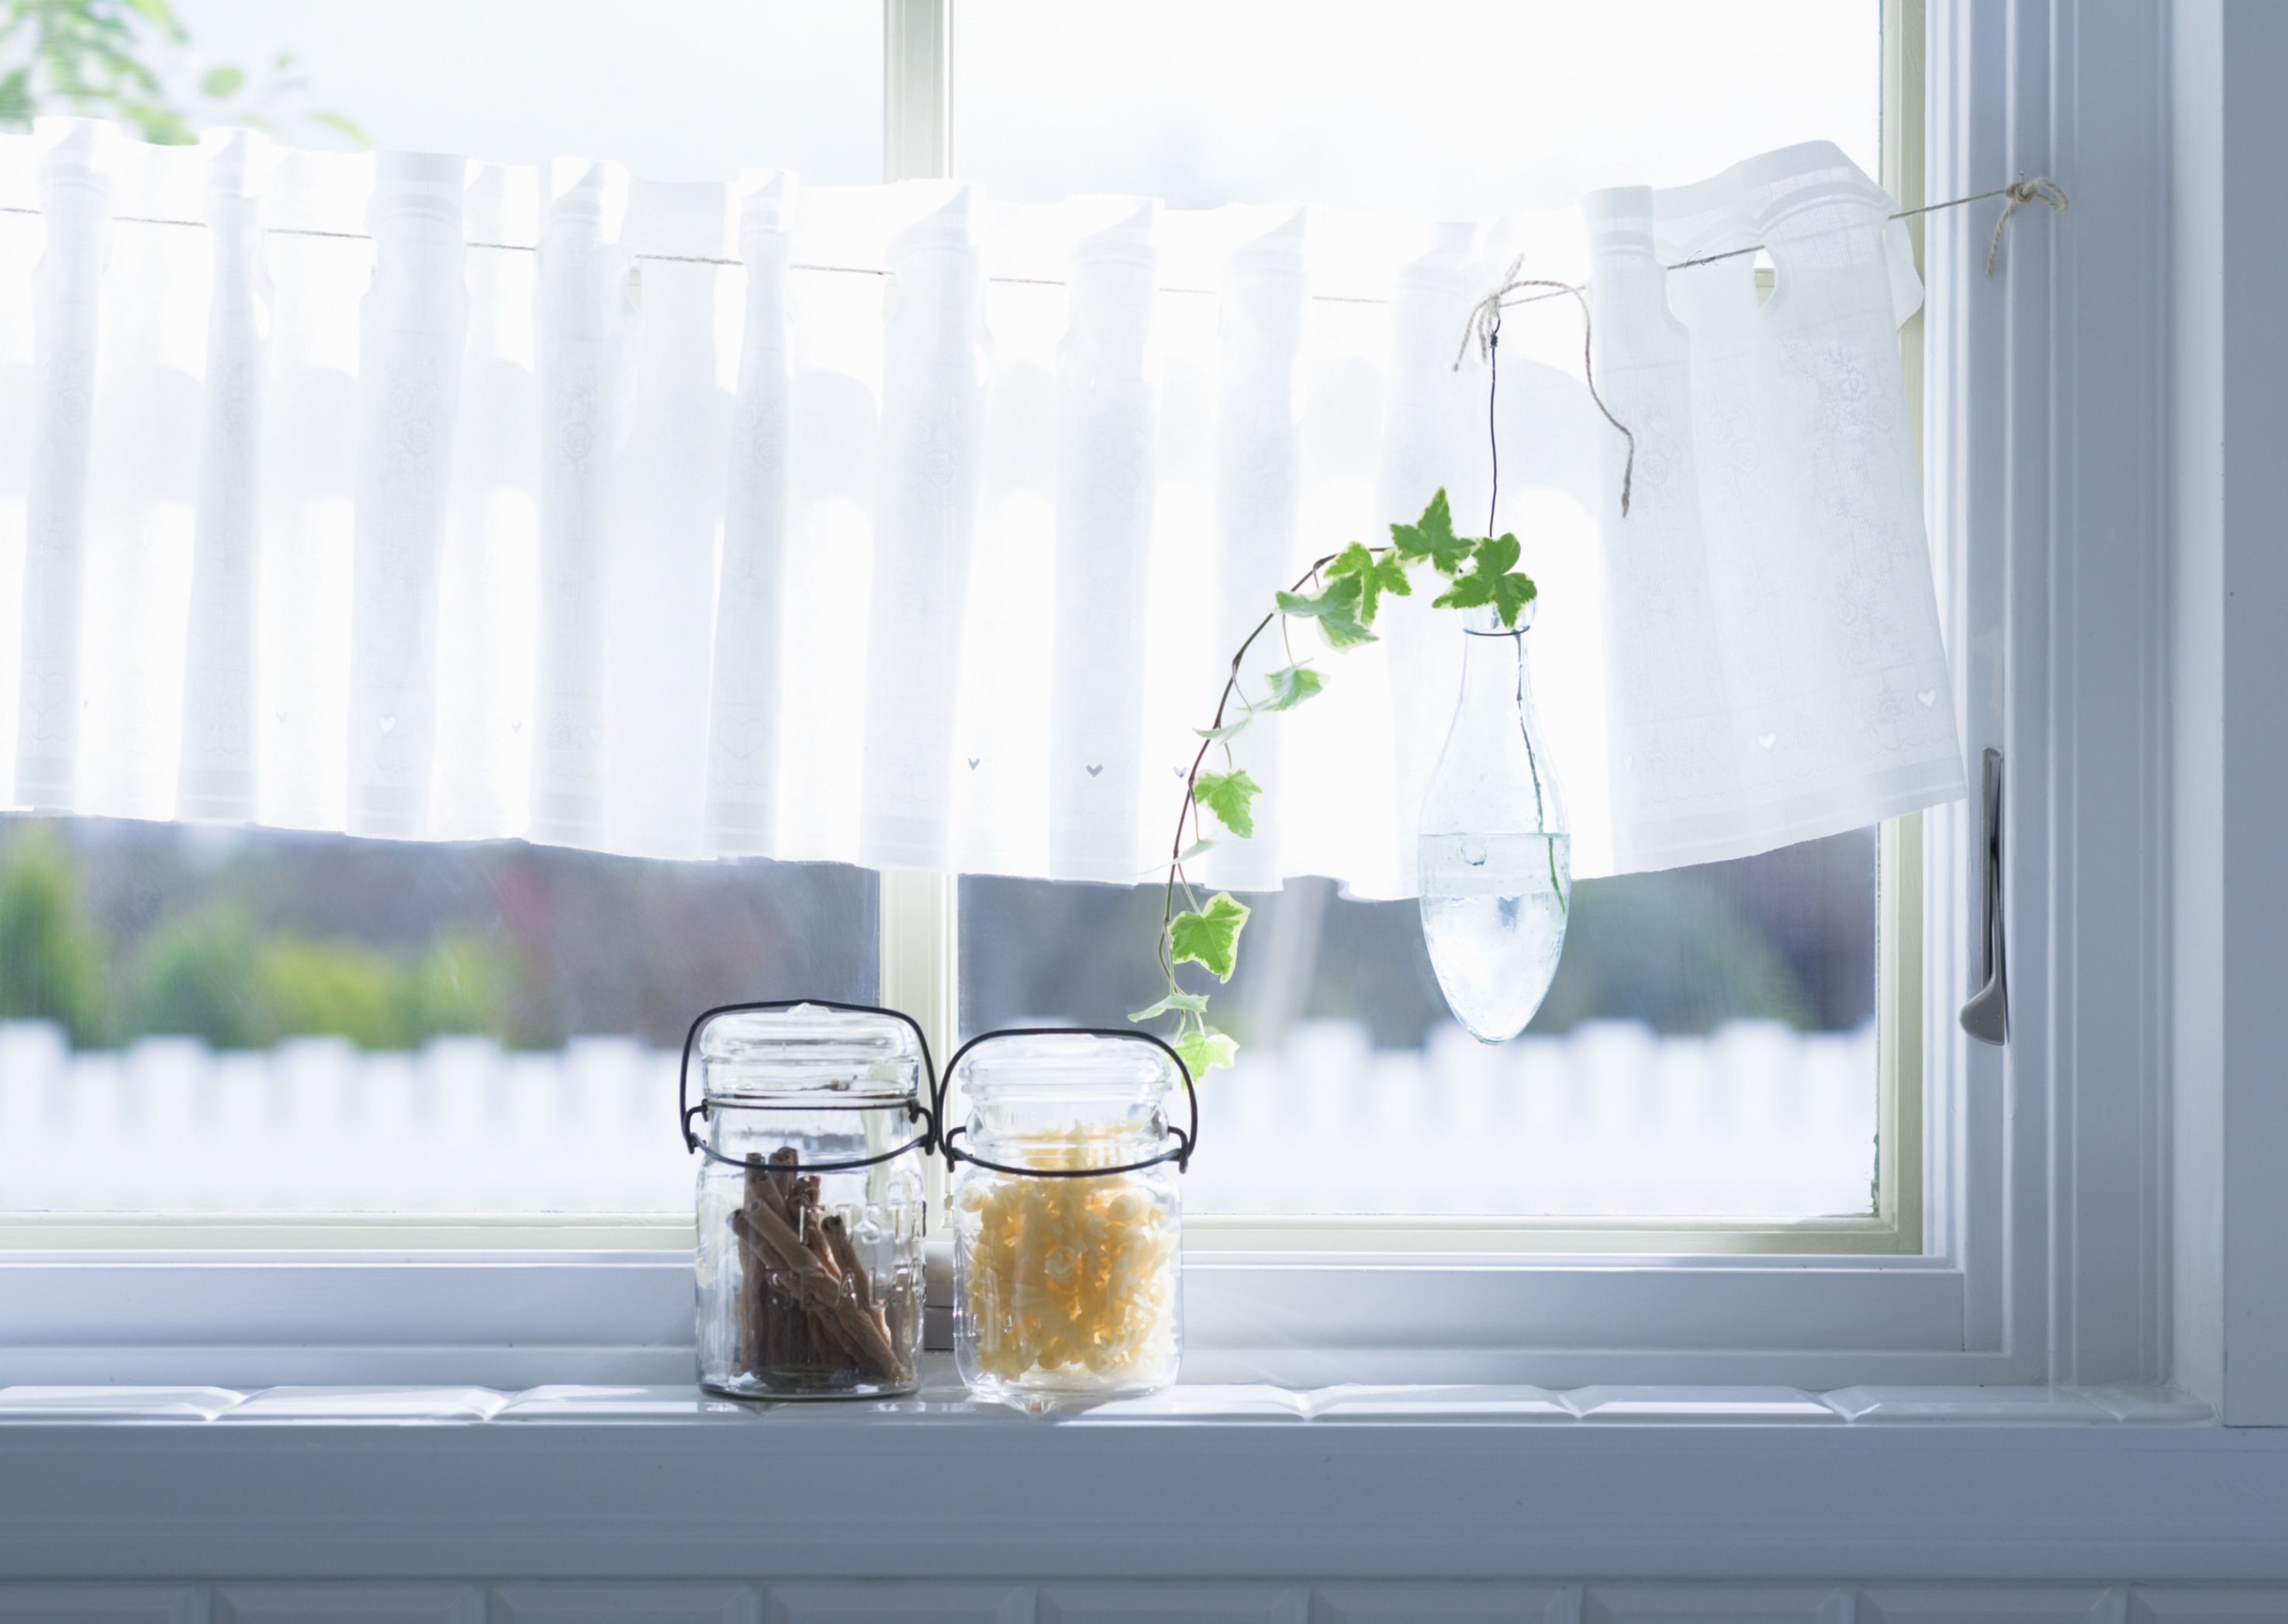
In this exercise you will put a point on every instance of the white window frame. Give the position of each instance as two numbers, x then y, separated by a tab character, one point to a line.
2046	1215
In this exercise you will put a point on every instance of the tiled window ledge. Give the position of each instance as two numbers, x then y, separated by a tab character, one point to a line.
942	1397
1253	1484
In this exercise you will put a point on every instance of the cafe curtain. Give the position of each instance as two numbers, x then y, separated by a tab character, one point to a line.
420	497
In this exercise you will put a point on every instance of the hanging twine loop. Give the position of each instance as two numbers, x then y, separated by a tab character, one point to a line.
1484	326
2040	189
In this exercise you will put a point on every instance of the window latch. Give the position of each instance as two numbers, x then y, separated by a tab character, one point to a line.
1987	1015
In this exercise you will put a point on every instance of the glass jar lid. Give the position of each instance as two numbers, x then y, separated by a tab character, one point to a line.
1076	1068
809	1054
1069	1105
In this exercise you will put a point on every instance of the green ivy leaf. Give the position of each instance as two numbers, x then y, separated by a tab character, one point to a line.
1340	598
1227	795
1343	631
1193	850
1217	735
1491	581
1210	937
1202	1051
1196	1003
1432	537
1289	686
1376	575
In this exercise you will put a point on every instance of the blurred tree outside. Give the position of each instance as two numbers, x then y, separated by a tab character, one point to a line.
52	956
119	929
133	60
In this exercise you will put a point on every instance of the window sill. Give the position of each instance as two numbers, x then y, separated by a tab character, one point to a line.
1201	1482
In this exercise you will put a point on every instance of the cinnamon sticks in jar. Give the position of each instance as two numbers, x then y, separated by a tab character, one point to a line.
808	1311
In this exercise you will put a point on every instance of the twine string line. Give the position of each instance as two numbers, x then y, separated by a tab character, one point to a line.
1484	323
2021	192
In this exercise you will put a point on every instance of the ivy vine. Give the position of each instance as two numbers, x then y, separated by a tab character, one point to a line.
1341	592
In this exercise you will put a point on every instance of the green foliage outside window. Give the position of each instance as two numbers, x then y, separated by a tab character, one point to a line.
51	958
132	61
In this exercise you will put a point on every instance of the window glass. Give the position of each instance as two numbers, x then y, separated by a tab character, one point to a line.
1706	1050
676	89
204	1019
1708	1046
1450	108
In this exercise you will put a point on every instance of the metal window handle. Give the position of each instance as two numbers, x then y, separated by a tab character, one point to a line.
1987	1015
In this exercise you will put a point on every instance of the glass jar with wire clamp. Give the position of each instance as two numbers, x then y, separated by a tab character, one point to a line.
1066	1216
812	1124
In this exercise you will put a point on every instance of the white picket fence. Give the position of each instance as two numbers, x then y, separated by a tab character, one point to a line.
1755	1119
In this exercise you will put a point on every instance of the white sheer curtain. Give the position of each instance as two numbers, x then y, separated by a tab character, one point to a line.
428	498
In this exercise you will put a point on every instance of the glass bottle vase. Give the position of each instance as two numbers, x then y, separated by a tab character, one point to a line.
1496	847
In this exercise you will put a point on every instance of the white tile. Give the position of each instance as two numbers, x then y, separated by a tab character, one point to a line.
2162	1406
1762	1404
1357	1402
865	1602
349	1604
1454	1602
2184	1605
101	1604
1245	1401
2013	1405
664	1602
623	1403
372	1404
1746	1604
116	1403
1154	1602
1977	1603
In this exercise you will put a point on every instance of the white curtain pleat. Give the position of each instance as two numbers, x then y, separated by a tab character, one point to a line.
412	334
587	325
666	519
488	627
66	291
1106	443
935	355
321	268
422	497
743	715
216	780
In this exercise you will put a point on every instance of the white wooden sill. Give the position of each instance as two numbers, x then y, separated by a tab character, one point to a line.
519	1319
1202	1483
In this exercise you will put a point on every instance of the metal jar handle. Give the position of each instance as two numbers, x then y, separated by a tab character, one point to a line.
685	1110
1185	1141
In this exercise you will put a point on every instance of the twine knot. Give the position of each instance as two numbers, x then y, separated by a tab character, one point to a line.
2040	189
1484	325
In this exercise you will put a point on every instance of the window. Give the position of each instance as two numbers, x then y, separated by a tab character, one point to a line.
2006	1256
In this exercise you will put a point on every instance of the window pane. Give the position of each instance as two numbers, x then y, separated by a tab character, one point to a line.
676	89
1708	1045
1707	1048
200	1018
1451	108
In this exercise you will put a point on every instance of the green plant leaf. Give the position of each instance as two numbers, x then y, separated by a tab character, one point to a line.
1289	686
1196	1003
1343	631
339	125
1432	537
222	83
1227	795
1193	850
1203	1052
1340	598
1376	575
1491	581
1217	735
1210	937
